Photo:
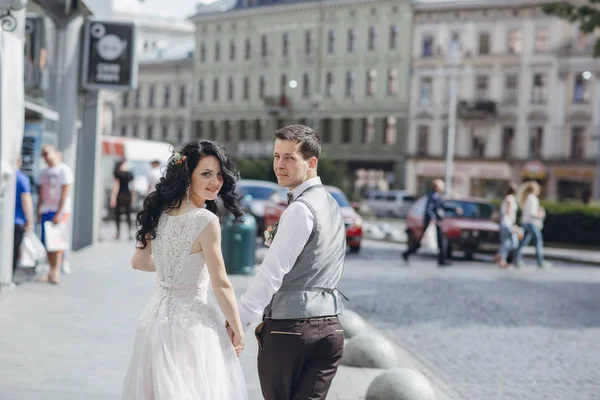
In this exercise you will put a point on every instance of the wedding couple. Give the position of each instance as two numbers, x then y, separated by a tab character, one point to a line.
184	349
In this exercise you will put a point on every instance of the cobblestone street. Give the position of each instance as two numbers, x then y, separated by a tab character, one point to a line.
489	334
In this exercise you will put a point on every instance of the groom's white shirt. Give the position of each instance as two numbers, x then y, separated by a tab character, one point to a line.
295	226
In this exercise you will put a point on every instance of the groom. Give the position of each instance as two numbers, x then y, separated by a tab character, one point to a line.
300	339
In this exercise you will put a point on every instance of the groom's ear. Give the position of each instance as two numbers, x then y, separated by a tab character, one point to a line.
313	162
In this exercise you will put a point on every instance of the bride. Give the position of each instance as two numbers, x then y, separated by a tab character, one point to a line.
182	350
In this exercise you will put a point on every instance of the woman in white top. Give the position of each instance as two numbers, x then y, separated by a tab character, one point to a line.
508	226
532	217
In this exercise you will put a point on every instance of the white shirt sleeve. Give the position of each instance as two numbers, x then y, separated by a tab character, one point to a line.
294	230
66	176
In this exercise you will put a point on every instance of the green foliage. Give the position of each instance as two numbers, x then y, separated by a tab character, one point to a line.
588	16
573	223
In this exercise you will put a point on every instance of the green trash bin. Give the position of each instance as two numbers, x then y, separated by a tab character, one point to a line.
239	244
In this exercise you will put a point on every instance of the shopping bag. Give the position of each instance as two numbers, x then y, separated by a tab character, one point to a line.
32	250
56	236
429	239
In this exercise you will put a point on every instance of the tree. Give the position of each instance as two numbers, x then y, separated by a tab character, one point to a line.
587	15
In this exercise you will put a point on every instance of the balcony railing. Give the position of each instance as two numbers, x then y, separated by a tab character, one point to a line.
478	109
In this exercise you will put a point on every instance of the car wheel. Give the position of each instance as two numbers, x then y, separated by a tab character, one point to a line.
469	256
354	249
449	252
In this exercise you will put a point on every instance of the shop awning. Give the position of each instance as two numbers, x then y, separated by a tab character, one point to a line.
41	110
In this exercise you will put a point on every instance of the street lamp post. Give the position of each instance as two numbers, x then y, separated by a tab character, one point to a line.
454	59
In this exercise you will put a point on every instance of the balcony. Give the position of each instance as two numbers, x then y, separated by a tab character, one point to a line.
277	105
478	109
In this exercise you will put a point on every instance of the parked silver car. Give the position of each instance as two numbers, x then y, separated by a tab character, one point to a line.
389	204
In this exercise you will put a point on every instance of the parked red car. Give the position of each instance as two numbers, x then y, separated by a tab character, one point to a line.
468	224
354	234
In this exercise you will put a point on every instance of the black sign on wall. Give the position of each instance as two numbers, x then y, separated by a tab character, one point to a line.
109	56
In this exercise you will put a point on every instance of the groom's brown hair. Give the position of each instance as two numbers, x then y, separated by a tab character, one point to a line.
310	142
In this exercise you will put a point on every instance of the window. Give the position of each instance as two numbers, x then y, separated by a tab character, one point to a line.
243	133
351	40
349	84
422	140
180	137
216	89
305	85
368	130
213	130
151	96
308	43
200	130
511	89
232	50
392	82
481	87
283	84
201	90
393	37
137	97
165	132
390	131
264	46
182	96
581	89
477	147
577	143
331	42
149	132
134	132
257	128
230	89
247	49
125	100
285	45
484	43
371	82
261	87
535	142
217	51
428	46
346	130
542	40
328	84
515	45
540	89
228	131
167	96
202	52
327	127
246	88
372	37
508	138
124	130
425	91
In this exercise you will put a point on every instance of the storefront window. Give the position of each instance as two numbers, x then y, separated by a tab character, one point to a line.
488	188
573	190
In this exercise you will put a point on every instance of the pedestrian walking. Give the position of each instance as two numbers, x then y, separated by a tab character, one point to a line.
508	225
54	203
153	176
122	196
532	219
23	212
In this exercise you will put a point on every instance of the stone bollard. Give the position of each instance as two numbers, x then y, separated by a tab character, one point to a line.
353	324
369	351
400	384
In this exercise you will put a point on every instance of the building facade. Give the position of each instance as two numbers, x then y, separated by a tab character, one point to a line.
527	100
160	109
340	66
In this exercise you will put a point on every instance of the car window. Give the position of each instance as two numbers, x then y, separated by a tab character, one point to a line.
469	209
341	199
257	192
390	197
409	198
378	196
419	207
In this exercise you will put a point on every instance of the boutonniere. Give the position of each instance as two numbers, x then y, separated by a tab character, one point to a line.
270	234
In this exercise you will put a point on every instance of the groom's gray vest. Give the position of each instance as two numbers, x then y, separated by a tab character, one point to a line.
309	289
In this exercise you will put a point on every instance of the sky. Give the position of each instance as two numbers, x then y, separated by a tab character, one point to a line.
170	8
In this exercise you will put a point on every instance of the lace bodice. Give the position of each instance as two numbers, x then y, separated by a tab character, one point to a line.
174	264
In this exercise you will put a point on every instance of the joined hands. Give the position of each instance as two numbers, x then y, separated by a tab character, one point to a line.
237	339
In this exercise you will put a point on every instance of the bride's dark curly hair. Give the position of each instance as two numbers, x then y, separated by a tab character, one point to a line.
171	188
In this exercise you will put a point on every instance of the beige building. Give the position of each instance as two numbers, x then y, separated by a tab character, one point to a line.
528	99
340	66
160	108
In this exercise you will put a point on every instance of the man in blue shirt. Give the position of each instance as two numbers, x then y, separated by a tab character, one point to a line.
23	211
434	212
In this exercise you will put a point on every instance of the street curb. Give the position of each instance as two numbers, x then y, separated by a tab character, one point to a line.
408	359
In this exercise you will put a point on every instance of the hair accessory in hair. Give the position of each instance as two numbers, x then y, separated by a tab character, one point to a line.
178	159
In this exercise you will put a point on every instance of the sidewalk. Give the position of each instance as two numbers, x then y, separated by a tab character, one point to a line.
73	341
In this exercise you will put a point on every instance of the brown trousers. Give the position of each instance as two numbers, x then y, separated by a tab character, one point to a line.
297	359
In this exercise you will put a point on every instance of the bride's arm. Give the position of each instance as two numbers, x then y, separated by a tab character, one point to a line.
210	240
142	259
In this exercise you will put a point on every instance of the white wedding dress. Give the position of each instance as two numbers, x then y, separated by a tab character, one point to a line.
182	350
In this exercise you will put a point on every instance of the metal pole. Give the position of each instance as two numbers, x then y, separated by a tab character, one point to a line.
597	183
451	130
